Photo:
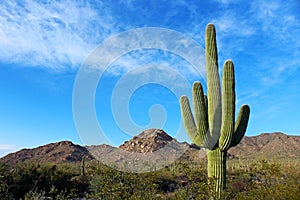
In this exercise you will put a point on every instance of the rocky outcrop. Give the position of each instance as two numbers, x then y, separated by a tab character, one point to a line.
147	141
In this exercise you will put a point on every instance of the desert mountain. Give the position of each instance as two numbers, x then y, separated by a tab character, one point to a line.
156	146
152	140
59	152
149	150
268	145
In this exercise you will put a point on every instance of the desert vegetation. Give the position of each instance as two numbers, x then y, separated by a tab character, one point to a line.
259	179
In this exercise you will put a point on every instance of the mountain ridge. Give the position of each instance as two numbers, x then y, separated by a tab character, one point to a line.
274	145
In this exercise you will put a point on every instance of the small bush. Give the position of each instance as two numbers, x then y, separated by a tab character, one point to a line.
4	193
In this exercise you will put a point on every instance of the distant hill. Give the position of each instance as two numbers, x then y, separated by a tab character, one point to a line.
268	145
156	146
59	152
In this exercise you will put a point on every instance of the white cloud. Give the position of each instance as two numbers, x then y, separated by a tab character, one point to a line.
52	35
7	147
233	24
279	26
59	34
226	2
62	33
140	58
266	9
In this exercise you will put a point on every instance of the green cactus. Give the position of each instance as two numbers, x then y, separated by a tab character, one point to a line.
83	166
212	126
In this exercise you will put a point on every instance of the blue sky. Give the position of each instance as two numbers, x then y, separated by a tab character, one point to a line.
43	44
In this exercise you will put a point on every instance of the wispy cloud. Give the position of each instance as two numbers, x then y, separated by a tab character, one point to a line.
278	24
53	34
227	2
230	23
265	32
7	147
60	34
154	57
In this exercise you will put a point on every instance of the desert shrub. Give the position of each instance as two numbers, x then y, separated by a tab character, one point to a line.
32	178
24	179
108	183
196	185
66	179
4	181
35	195
268	180
4	193
181	180
259	180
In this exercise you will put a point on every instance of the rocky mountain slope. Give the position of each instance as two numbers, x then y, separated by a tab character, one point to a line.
59	152
152	140
148	141
155	148
268	145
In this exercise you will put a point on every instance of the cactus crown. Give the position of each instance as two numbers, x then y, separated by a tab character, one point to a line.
212	125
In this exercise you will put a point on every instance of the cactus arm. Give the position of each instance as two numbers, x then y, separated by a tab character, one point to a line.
213	82
206	106
200	112
188	119
240	125
228	106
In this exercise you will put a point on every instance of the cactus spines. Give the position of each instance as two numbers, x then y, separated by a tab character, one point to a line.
228	106
212	126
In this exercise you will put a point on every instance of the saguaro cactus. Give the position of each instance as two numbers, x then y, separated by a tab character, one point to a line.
212	126
83	166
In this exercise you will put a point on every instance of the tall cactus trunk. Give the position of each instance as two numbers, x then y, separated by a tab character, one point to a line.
213	126
216	171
